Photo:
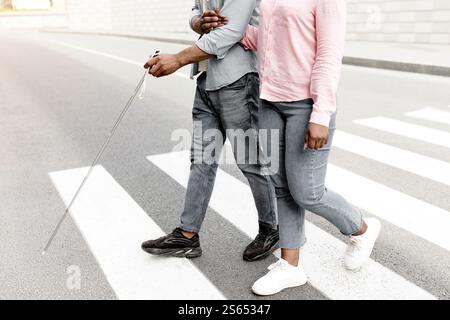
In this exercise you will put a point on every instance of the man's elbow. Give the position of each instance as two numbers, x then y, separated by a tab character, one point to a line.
212	48
227	42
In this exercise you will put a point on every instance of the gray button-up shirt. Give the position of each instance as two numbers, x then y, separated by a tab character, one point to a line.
230	62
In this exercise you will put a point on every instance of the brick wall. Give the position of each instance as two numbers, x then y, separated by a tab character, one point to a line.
136	16
403	21
169	16
89	14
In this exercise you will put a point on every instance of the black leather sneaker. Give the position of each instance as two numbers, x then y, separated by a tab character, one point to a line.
174	244
265	243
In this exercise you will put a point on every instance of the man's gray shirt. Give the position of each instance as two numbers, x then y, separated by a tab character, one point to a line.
231	61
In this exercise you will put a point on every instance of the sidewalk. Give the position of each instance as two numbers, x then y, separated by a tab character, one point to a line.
416	58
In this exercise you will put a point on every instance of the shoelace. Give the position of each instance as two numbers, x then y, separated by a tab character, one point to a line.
280	264
356	243
260	238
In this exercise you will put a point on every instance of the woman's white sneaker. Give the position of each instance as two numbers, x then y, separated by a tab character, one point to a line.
360	247
281	276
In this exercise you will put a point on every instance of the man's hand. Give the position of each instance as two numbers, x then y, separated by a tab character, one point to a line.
163	65
209	21
316	136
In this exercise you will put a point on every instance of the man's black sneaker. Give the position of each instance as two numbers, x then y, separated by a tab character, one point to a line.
266	242
174	244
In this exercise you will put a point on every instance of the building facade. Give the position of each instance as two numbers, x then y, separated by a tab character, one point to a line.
393	21
402	21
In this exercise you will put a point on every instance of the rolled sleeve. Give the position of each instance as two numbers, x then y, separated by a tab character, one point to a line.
219	41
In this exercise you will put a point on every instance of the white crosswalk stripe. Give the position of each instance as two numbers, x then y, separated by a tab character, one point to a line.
417	164
108	217
412	131
322	257
114	226
391	205
431	114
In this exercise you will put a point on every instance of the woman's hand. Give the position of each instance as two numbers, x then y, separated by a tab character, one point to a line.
209	21
316	136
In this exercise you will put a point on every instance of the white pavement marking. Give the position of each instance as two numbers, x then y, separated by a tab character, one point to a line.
114	226
114	57
431	114
322	256
416	216
176	165
417	164
429	135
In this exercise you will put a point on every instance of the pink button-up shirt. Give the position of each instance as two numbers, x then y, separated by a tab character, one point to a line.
300	48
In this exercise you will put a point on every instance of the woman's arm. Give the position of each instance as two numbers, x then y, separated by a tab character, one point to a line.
219	41
250	40
330	28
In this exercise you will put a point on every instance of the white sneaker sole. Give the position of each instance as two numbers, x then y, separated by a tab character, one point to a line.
281	288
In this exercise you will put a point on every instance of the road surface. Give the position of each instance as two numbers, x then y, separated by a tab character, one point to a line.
59	96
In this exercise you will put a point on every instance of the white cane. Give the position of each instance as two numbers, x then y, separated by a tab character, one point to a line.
140	89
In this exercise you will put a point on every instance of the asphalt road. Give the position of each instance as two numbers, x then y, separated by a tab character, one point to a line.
59	96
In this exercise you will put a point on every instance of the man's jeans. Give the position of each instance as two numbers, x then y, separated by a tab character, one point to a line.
234	107
299	179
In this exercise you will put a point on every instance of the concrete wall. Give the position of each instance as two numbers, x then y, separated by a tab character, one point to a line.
134	16
398	21
404	21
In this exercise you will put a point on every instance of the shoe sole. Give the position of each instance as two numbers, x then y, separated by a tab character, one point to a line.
189	253
264	255
289	286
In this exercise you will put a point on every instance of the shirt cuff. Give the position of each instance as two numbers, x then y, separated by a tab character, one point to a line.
321	118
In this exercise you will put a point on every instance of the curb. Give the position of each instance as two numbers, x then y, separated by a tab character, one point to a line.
398	66
353	61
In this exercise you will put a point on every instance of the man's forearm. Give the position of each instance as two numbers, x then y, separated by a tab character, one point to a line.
190	55
165	64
